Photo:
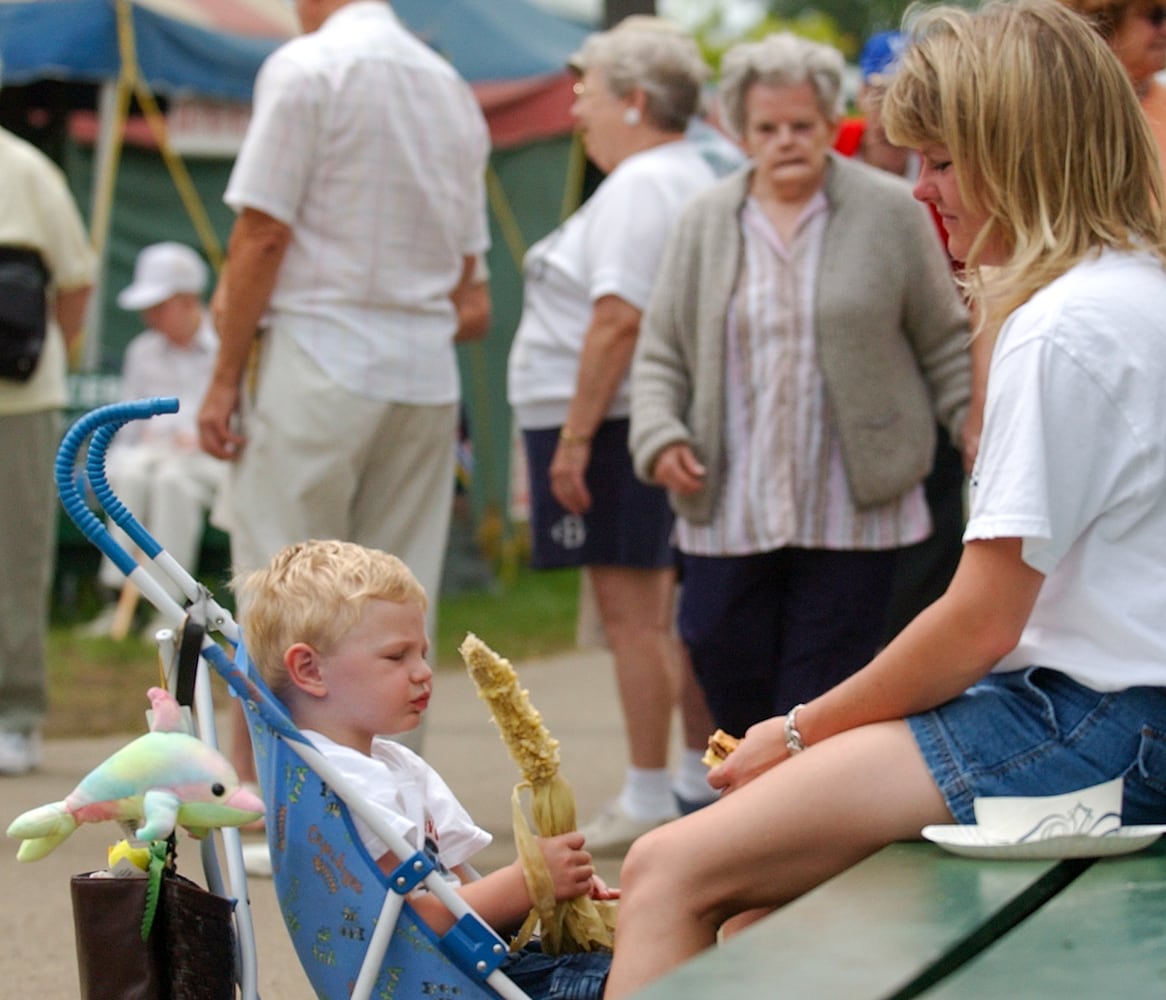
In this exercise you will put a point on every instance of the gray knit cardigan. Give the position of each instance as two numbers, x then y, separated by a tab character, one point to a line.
891	331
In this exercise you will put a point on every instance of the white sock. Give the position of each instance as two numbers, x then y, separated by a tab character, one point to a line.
647	793
691	781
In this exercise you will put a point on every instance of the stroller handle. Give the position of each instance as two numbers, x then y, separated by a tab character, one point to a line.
103	424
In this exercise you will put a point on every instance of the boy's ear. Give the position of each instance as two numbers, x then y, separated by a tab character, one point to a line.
302	663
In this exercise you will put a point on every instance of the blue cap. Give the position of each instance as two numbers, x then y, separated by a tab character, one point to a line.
880	53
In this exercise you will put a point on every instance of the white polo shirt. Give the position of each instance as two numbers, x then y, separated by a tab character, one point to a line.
410	796
373	150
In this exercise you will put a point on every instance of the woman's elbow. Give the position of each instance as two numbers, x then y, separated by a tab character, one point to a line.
992	595
997	640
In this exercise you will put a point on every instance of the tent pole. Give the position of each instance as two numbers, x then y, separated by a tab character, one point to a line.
112	107
180	176
576	175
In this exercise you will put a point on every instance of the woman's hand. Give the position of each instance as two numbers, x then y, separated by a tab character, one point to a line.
762	747
568	474
677	469
570	867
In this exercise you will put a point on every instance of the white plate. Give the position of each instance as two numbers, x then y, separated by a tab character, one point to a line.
973	842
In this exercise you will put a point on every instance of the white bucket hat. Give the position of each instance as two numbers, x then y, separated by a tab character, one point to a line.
163	270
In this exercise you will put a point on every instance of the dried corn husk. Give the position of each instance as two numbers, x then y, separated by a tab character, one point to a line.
580	924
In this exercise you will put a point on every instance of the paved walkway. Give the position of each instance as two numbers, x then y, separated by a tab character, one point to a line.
575	694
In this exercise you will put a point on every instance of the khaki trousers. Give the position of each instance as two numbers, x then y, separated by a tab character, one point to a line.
28	529
322	462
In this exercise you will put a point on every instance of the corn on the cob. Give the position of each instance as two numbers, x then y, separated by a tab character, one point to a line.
580	924
534	750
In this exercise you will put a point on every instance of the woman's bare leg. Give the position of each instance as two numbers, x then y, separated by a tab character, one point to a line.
768	842
635	606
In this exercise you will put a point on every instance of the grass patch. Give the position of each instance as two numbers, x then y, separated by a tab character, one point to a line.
533	616
98	686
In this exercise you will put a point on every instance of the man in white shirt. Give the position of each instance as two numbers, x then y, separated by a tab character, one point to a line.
361	201
361	211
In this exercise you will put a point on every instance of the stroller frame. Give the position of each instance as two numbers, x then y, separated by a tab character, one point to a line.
470	945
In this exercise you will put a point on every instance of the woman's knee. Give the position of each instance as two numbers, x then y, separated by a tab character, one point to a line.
676	870
673	861
637	600
655	863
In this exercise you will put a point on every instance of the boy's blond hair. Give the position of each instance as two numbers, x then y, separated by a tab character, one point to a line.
314	592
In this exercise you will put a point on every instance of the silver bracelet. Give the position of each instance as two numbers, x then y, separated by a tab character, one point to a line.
793	739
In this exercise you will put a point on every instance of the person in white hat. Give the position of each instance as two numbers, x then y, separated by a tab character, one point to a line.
156	466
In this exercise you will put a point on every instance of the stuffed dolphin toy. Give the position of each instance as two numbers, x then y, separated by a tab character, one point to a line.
164	779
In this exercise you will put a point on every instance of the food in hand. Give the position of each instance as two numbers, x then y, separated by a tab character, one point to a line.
721	744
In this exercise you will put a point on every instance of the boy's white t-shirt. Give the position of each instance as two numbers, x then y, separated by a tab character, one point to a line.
410	796
1073	461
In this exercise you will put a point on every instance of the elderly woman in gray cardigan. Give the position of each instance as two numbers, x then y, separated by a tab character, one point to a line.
804	337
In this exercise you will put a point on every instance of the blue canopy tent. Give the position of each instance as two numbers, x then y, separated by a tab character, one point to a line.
179	48
510	50
214	47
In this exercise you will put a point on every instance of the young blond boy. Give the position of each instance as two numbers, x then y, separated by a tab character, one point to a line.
337	632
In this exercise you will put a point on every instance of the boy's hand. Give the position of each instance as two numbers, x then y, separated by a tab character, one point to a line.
601	890
569	865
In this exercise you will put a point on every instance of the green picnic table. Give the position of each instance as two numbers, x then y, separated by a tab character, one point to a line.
1104	936
913	920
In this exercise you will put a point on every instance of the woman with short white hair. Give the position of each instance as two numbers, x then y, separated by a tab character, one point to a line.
586	286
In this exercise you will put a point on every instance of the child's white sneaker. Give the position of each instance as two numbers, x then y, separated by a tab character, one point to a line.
614	829
19	752
257	859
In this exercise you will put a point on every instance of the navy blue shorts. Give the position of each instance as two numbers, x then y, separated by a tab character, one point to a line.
1038	732
769	630
629	523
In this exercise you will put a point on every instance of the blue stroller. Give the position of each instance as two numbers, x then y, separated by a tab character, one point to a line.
354	932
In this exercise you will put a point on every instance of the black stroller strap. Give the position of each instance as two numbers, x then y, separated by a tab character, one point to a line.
189	648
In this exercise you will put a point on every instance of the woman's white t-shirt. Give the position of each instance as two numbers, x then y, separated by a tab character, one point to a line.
1073	461
611	246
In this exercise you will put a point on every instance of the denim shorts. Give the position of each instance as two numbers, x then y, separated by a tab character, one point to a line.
1037	732
577	976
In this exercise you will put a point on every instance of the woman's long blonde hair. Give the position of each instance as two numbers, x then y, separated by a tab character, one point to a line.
1046	135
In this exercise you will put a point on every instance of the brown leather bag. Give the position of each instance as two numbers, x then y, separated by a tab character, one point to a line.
189	953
